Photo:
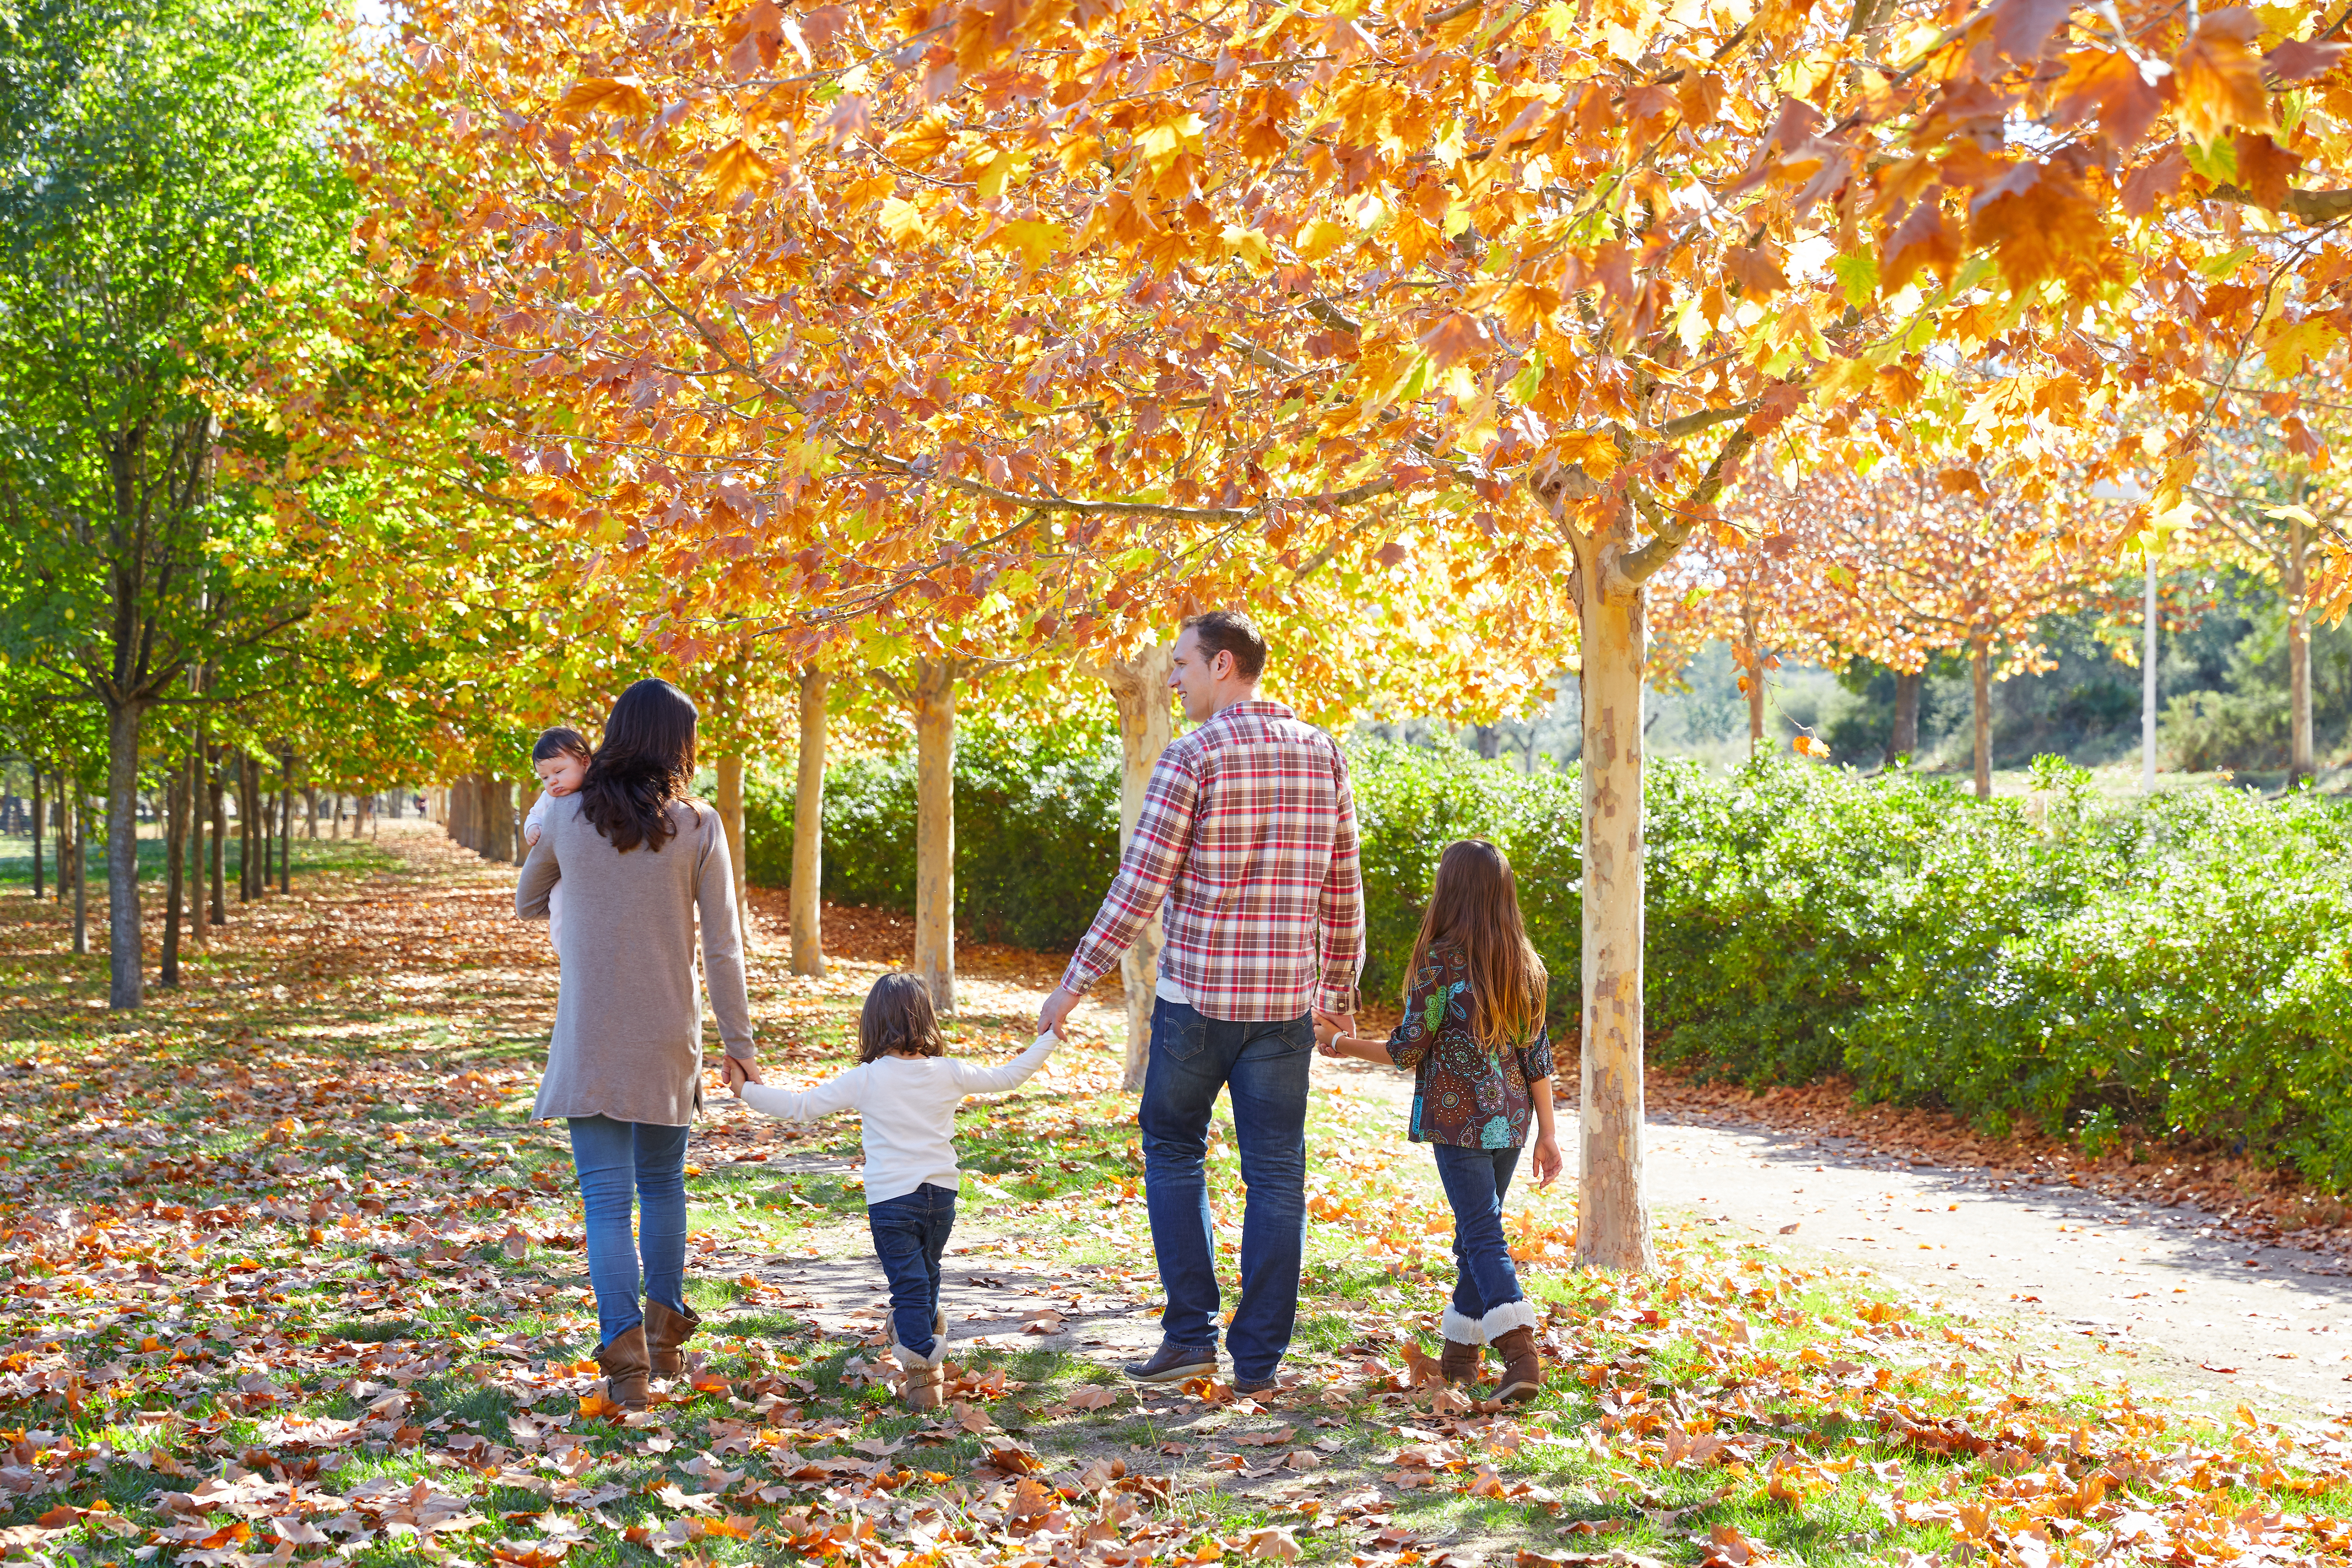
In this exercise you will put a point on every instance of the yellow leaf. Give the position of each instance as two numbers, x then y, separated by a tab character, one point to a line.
1036	241
991	178
2219	78
903	221
623	96
733	167
1594	453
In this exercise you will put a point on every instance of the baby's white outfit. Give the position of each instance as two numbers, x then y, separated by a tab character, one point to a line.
906	1107
538	819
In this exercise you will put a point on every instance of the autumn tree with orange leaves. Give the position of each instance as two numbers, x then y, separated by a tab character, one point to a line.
1082	308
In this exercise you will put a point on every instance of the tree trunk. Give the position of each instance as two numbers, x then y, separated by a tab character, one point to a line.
311	802
247	852
36	831
1487	738
1146	725
194	781
1613	1224
808	829
1980	682
2300	767
80	870
1903	740
1752	657
215	788
286	825
935	695
125	953
731	822
175	848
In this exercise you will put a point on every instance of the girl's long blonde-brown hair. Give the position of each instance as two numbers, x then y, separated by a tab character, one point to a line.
1475	906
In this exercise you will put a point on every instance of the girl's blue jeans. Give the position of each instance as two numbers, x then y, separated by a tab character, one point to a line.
910	1232
612	1158
1476	1181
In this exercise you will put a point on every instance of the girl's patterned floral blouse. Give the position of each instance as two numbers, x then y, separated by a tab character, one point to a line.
1465	1094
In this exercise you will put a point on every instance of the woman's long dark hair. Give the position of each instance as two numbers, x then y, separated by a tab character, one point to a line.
1475	906
645	762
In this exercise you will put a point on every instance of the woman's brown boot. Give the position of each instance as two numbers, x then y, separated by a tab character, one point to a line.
623	1364
1522	1377
666	1330
1461	1363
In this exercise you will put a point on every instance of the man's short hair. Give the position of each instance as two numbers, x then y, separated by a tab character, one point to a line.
1230	631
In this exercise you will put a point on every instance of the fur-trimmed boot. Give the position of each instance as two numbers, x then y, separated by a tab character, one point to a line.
927	1378
623	1364
1465	1356
1511	1330
666	1330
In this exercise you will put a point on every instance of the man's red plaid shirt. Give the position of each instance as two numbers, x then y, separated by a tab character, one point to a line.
1248	833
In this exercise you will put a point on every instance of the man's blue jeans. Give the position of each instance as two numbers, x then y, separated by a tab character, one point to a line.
611	1158
1265	1065
910	1233
1476	1182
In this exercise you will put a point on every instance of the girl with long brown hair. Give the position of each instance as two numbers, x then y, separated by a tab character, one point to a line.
1474	1035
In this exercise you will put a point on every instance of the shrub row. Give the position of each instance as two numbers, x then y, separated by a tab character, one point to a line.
2183	965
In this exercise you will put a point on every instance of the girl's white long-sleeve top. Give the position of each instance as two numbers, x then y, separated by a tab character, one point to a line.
906	1108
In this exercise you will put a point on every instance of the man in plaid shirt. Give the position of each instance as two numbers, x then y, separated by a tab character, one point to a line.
1247	844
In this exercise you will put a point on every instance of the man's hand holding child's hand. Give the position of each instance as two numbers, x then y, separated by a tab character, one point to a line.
738	1072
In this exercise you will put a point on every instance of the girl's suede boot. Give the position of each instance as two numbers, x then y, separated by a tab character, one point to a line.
927	1379
1465	1357
1522	1377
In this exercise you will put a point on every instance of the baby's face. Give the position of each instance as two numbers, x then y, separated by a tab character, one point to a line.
560	773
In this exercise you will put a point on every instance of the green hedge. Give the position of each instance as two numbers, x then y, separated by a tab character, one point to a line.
2183	965
1036	833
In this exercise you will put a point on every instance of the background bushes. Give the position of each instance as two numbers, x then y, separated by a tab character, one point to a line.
1036	832
2181	965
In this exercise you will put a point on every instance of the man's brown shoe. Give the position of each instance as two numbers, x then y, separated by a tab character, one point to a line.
1522	1377
623	1365
666	1330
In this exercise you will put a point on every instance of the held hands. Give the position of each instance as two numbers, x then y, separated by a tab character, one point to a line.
1055	1012
1547	1162
1331	1029
738	1072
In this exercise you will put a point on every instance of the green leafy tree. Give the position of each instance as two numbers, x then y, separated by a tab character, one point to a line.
166	200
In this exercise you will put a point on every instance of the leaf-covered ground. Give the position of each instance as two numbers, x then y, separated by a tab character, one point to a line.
292	1277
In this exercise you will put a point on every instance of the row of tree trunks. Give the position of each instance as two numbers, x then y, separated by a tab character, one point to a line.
481	816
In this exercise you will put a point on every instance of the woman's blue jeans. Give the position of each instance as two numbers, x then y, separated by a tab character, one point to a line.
1476	1181
611	1158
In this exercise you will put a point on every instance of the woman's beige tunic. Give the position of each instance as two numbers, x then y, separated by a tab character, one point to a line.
628	1018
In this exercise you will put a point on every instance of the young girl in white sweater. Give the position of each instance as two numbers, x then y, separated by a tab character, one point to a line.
905	1089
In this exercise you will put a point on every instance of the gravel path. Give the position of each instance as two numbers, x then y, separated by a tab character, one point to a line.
2198	1312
